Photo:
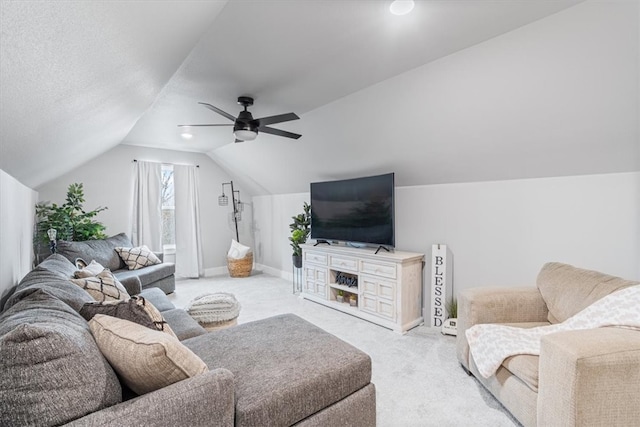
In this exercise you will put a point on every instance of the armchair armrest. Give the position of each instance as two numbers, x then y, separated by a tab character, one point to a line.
590	377
204	400
496	305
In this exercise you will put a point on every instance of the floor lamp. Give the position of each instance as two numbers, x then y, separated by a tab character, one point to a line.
238	206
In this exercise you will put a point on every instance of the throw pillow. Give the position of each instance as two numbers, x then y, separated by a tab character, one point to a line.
237	250
138	257
93	269
136	309
145	359
103	287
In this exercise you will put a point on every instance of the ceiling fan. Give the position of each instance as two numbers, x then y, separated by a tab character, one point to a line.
245	127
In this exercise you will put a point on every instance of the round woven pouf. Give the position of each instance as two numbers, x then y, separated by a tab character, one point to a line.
214	311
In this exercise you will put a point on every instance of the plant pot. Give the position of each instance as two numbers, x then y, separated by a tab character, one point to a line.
353	302
339	298
297	261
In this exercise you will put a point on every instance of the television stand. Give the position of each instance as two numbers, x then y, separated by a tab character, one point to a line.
386	288
382	247
321	242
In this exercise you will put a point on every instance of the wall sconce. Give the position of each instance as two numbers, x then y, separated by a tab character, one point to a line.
52	233
238	206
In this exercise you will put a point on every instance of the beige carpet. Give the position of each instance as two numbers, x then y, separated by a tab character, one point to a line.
417	376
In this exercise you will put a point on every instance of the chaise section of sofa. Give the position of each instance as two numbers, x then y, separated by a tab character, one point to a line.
287	371
103	251
277	371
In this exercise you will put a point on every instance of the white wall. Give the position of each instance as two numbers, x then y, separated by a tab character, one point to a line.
272	216
499	233
17	210
108	181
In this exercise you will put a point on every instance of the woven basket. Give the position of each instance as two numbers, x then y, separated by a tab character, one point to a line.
240	267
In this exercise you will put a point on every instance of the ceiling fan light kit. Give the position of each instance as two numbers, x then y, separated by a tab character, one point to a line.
245	127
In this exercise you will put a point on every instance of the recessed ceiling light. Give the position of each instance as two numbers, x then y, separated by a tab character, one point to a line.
401	7
186	133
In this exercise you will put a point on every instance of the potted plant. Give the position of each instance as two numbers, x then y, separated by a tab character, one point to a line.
450	326
70	220
300	229
353	300
340	296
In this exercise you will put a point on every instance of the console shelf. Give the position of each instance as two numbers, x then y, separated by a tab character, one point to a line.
389	285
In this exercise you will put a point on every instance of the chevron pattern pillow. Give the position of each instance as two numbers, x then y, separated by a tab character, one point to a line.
138	257
103	287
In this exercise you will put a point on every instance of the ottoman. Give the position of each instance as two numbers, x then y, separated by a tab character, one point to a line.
214	311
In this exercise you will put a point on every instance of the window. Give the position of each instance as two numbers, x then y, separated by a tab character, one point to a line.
168	210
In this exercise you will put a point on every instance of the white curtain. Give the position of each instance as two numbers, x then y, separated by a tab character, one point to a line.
188	239
146	222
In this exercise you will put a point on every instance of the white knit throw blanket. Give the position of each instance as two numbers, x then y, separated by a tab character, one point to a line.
490	344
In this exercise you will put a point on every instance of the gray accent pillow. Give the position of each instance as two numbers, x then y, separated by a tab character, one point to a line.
136	309
52	369
131	310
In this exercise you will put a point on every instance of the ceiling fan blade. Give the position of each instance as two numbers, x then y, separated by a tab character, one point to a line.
278	132
264	121
219	111
183	126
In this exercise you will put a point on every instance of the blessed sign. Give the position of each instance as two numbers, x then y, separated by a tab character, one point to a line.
440	286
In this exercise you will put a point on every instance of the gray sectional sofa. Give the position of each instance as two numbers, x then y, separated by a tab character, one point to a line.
279	371
103	251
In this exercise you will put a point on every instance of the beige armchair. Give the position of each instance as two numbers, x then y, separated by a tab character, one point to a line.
581	378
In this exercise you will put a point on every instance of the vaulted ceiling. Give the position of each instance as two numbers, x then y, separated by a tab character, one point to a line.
78	78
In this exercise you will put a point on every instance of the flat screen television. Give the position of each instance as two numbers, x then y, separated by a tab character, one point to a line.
359	210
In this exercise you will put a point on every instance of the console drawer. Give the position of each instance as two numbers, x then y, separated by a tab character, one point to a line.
315	257
343	263
378	269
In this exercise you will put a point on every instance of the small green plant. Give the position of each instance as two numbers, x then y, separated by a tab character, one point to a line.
341	292
70	220
300	229
452	308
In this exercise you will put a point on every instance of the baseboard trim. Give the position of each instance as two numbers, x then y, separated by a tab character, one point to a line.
219	271
273	271
215	271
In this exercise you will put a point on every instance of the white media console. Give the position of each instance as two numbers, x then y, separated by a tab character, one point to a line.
389	284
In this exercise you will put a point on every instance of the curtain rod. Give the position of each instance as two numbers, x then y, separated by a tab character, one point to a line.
166	163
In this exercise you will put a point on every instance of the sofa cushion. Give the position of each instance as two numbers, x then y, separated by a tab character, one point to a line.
52	369
52	275
145	359
138	257
101	251
182	324
103	287
567	290
149	274
158	299
289	369
525	367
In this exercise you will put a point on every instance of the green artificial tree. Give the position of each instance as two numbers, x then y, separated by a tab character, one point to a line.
300	229
70	220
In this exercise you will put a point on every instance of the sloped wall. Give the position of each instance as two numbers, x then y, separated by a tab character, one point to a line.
17	210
